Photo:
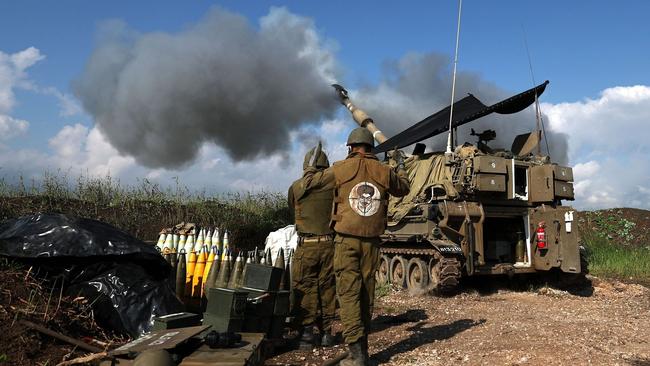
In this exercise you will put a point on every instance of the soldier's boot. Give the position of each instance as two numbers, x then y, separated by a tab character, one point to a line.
356	356
327	339
306	338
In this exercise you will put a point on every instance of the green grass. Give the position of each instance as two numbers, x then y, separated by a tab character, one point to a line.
609	259
146	207
382	290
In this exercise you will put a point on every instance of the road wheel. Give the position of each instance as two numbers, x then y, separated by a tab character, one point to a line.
398	271
383	273
418	275
434	273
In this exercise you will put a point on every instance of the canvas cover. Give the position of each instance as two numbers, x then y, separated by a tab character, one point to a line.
424	172
465	110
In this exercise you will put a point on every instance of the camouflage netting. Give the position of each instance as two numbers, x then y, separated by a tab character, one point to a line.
427	173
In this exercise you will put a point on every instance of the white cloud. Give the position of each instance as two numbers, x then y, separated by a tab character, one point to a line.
68	104
13	74
608	145
69	142
11	127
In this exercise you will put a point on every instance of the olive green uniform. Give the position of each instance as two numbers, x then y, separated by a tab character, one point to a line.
312	273
361	186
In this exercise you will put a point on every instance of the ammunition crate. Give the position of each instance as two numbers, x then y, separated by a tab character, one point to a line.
223	324
262	277
264	306
564	190
257	324
490	164
177	320
490	182
226	303
562	173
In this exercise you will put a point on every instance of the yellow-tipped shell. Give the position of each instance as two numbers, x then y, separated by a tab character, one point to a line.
197	280
189	245
167	247
161	242
216	240
208	264
175	243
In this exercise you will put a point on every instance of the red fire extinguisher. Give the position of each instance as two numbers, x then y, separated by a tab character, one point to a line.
541	235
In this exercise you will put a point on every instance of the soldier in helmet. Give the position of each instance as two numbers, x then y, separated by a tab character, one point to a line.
361	187
312	271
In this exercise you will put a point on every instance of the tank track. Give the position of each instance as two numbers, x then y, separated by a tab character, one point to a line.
448	276
410	251
447	270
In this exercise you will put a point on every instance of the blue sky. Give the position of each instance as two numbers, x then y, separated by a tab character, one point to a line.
583	47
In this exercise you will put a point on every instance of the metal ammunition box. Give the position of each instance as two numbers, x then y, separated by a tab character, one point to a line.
227	302
281	307
490	182
490	164
258	324
260	303
563	173
262	277
176	320
223	324
564	190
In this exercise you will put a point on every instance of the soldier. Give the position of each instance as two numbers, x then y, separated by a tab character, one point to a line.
312	270
361	186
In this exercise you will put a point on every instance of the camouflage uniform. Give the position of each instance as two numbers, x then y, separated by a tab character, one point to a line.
361	186
312	273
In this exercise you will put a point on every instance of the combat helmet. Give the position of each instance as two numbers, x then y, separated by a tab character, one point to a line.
321	159
361	135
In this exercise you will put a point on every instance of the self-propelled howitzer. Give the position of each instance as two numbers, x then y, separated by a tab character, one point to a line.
478	211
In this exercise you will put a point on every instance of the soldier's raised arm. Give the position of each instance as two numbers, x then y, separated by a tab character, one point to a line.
319	179
399	184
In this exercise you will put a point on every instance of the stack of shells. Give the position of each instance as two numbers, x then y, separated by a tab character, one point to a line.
205	260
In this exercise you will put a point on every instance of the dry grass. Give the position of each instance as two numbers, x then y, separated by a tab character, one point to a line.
143	209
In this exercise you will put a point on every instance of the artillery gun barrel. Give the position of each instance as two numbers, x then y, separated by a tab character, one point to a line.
360	117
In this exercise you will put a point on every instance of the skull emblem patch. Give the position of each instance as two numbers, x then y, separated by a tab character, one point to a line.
365	199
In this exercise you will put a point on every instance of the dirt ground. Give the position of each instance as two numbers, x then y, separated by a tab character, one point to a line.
544	326
25	297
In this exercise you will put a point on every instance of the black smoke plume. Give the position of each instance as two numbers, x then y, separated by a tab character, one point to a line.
158	96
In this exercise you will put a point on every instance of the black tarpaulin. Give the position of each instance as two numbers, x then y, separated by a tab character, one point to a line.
124	279
465	110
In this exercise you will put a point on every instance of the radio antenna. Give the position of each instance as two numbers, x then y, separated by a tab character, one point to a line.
538	112
453	83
